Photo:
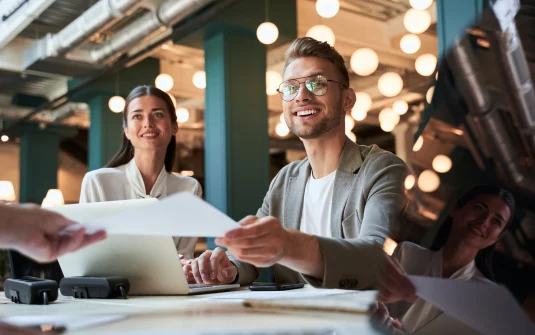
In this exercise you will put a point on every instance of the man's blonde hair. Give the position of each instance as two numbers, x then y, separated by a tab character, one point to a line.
309	47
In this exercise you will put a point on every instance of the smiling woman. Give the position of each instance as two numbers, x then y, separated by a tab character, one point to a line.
476	223
142	166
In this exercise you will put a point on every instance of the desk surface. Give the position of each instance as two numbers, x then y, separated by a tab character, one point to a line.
206	314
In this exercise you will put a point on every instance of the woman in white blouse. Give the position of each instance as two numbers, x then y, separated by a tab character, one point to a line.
142	167
476	223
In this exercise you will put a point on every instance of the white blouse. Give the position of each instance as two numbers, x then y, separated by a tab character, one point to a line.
420	261
125	182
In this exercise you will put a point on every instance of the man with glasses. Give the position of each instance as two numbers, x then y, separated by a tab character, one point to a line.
325	218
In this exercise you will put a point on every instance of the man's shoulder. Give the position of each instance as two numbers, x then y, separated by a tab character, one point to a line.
372	154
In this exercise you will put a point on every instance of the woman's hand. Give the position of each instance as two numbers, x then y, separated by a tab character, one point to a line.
394	284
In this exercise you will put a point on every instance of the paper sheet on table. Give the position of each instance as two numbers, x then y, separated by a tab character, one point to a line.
181	214
261	295
70	322
486	307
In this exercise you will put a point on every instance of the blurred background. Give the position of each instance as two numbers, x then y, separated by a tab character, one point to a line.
67	65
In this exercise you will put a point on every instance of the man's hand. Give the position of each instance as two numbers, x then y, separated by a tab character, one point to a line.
38	233
260	242
212	267
394	284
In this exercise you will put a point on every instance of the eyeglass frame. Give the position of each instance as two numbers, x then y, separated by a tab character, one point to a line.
304	82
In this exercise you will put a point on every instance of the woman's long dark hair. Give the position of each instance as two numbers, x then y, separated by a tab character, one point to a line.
126	152
484	256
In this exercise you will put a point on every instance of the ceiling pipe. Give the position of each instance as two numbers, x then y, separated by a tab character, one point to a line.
18	15
514	68
96	19
503	148
181	29
167	15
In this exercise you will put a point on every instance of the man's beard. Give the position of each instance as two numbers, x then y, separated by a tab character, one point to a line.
315	131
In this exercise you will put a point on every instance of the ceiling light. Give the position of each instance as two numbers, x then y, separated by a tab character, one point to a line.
273	80
388	127
390	84
387	115
410	180
362	105
418	144
400	107
364	61
358	115
410	44
322	33
442	163
417	21
199	79
116	104
182	115
7	191
420	4
327	8
425	64
428	181
54	197
352	136
4	138
350	123
267	32
282	130
164	82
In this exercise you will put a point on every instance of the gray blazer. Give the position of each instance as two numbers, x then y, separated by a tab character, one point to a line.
367	206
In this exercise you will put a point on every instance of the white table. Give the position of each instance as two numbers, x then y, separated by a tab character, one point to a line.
198	314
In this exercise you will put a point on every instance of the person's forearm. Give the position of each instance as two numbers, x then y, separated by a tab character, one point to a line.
303	254
7	215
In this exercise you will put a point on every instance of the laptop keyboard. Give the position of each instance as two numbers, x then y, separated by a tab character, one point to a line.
193	286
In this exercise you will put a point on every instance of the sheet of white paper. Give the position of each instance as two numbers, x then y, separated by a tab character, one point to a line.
260	295
181	214
486	307
69	322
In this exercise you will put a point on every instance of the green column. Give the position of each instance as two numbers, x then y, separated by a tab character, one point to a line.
236	129
453	17
104	133
39	160
236	139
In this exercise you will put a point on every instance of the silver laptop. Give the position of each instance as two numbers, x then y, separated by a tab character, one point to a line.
150	263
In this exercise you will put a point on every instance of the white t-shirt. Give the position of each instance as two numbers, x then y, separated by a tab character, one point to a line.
316	217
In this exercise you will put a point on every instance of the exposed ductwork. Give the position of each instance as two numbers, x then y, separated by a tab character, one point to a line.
18	15
479	102
167	15
514	69
97	18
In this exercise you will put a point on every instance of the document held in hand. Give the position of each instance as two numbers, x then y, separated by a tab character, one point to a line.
486	307
181	214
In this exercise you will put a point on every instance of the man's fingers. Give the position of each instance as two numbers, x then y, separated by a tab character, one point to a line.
254	229
195	271
247	220
227	274
217	261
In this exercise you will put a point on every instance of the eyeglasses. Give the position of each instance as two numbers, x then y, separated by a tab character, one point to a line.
317	85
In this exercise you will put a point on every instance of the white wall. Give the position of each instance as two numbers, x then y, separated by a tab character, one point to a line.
70	174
